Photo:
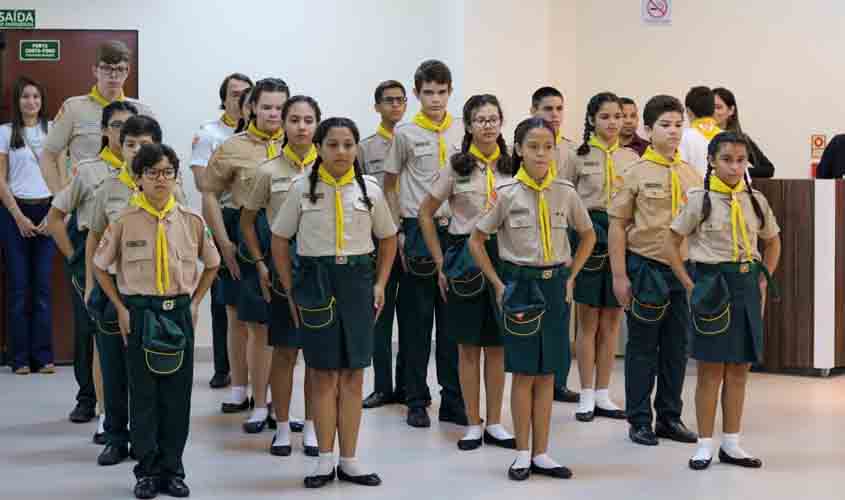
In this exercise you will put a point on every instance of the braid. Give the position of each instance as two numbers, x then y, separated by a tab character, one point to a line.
312	180
754	203
359	176
705	205
463	162
505	164
241	126
584	148
285	141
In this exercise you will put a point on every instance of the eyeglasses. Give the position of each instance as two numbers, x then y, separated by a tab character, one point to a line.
167	173
486	122
110	70
392	101
116	125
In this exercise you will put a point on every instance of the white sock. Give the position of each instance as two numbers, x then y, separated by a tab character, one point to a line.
523	459
351	466
544	461
101	424
730	443
587	403
325	464
258	414
473	432
498	431
309	434
282	437
237	395
704	451
603	400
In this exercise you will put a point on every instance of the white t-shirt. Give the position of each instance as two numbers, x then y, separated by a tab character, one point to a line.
209	137
25	179
694	150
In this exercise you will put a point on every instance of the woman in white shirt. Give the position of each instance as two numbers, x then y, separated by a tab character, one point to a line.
29	249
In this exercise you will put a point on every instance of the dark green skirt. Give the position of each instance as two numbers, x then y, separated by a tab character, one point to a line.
229	285
252	308
594	284
475	320
335	302
540	352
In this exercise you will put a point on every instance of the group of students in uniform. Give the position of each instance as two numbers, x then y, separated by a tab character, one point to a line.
322	235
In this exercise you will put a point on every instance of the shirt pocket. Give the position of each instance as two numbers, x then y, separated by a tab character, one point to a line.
139	258
187	262
361	217
374	166
712	225
87	128
280	184
246	178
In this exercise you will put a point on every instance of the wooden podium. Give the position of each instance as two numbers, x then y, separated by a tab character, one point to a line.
805	330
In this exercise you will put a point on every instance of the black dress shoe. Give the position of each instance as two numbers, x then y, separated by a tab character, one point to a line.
452	415
235	407
99	438
509	444
699	464
254	427
319	480
585	416
280	450
564	395
220	380
311	451
676	431
296	426
175	487
113	455
556	472
364	480
750	462
378	399
642	434
469	444
146	487
518	474
418	417
613	414
81	414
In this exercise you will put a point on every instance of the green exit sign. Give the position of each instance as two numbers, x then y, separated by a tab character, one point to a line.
40	50
17	18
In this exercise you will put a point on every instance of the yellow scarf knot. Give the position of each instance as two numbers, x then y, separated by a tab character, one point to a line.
102	101
609	165
162	264
384	132
544	219
294	158
337	184
707	127
424	122
488	162
677	192
737	215
271	139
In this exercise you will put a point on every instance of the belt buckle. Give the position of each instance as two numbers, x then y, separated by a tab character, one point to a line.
340	259
442	221
168	305
744	268
547	274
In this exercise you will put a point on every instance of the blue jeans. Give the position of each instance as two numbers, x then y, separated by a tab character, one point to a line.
29	267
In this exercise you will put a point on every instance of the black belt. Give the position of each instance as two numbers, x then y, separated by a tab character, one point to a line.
34	201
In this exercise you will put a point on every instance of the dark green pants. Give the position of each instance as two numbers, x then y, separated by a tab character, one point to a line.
161	405
219	329
658	351
115	386
383	338
84	329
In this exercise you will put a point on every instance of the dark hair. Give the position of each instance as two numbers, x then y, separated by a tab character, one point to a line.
593	107
243	121
109	111
522	130
700	100
224	87
659	105
712	151
463	162
388	84
543	92
626	101
319	136
150	154
113	52
21	83
728	98
141	125
432	70
266	85
293	100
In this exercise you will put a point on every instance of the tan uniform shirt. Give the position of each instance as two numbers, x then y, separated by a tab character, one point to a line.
234	166
314	223
415	158
131	244
372	153
467	195
588	174
78	126
112	197
711	242
79	195
565	157
645	201
514	218
272	185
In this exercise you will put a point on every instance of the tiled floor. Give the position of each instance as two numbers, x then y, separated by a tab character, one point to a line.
795	424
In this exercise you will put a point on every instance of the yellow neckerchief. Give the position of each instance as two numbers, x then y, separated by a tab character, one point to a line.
162	265
126	178
609	170
272	152
677	193
488	161
99	99
558	137
737	216
229	121
337	184
110	158
424	122
542	207
384	132
294	158
707	126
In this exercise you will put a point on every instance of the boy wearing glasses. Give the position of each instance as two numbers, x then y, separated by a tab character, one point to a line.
77	125
391	103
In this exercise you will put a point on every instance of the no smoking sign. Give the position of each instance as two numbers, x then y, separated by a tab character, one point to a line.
656	11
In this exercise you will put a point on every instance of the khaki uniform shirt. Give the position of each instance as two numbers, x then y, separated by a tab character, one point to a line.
272	185
415	158
372	153
78	126
234	166
588	174
645	201
711	242
79	195
467	195
314	223
515	219
131	244
112	197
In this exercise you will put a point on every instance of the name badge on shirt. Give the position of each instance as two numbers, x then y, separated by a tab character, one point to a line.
591	164
319	196
519	211
463	180
653	185
136	244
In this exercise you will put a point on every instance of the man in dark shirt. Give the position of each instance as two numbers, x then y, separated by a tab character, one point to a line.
628	136
832	164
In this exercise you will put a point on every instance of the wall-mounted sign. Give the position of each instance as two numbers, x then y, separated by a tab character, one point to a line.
656	11
40	50
17	18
